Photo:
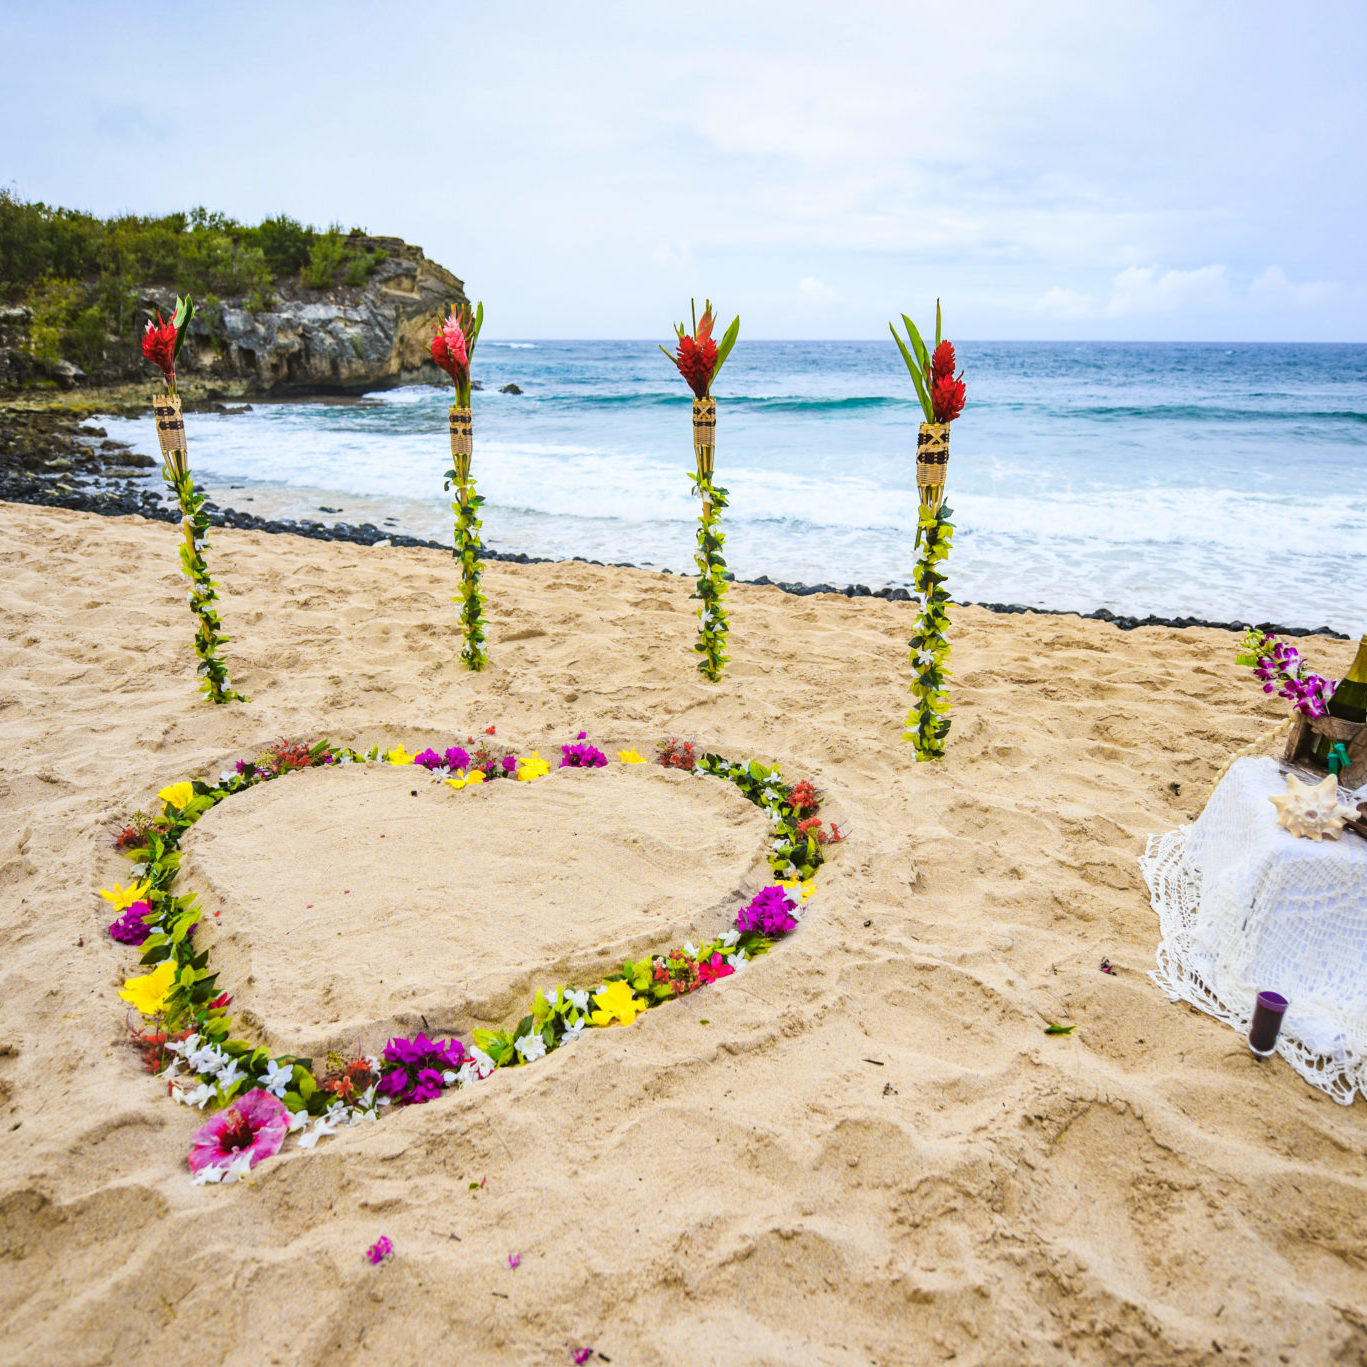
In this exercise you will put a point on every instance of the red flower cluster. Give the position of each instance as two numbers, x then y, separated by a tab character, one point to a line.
697	356
349	1080
151	1044
804	797
946	389
159	346
679	971
134	835
813	827
676	754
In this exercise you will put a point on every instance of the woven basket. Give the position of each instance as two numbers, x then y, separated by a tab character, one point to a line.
462	442
170	430
932	463
705	434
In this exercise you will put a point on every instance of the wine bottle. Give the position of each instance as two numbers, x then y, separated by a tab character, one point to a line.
1349	700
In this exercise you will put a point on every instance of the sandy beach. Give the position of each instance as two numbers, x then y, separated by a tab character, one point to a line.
863	1149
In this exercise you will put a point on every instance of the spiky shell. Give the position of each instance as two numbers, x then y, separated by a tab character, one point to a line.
1311	811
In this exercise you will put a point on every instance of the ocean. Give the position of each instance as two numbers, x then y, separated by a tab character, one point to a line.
1221	481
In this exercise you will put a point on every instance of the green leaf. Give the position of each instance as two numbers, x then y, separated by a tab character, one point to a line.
916	376
937	322
918	345
1053	1029
724	349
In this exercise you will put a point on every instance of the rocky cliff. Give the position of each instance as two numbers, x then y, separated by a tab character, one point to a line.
341	339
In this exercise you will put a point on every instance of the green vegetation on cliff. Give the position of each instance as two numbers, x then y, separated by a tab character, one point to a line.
81	279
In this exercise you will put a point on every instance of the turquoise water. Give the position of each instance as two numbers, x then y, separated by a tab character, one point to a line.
1219	481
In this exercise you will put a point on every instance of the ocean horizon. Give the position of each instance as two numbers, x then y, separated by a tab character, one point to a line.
1217	480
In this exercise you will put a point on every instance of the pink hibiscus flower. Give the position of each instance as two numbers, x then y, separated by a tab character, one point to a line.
255	1124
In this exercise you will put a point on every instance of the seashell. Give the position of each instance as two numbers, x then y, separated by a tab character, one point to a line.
1311	811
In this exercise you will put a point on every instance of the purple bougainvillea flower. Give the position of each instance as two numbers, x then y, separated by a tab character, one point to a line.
255	1124
456	758
509	764
581	1356
429	759
379	1250
582	757
130	928
420	1068
513	1260
769	913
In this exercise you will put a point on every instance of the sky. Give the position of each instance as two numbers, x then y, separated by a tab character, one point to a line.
1145	170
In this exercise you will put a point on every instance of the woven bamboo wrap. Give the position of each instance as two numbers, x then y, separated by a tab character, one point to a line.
1352	734
705	433
932	463
170	429
462	441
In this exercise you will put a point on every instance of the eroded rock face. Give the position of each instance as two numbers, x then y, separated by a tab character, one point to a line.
343	339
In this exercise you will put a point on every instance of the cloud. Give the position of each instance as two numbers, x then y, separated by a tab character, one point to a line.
1145	290
809	287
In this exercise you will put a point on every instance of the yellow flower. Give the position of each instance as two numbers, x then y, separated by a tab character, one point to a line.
123	898
148	993
532	767
177	795
398	755
474	776
618	1003
630	757
807	888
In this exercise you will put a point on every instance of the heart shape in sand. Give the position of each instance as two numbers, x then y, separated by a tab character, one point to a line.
349	905
588	867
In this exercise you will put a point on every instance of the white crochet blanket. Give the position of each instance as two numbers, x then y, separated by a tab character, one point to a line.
1243	906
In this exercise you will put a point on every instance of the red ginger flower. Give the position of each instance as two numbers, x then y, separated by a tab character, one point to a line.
697	356
450	349
947	391
159	346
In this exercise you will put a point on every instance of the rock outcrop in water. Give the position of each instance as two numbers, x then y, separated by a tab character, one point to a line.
344	339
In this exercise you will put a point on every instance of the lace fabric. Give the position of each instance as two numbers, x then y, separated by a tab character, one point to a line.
1244	906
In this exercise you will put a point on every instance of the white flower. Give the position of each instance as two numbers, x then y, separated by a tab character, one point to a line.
484	1065
447	1078
184	1047
730	938
466	1075
276	1078
531	1047
780	844
229	1075
690	949
375	1064
579	998
553	997
925	658
197	1098
573	1029
208	1059
320	1129
737	961
336	1113
298	1120
225	1172
226	776
366	1101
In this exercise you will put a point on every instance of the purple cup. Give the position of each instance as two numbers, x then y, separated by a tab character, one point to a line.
1267	1023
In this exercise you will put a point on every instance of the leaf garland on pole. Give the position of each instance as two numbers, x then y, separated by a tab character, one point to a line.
700	359
161	344
453	349
941	393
